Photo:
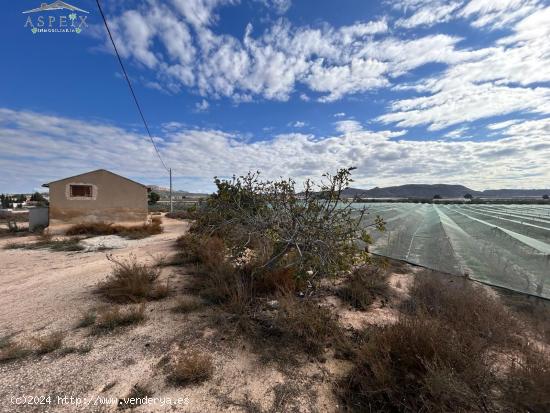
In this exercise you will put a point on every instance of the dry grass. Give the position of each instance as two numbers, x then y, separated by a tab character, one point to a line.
418	364
465	306
189	246
532	311
11	350
47	343
362	287
183	214
305	325
526	388
46	241
111	318
87	319
191	367
131	281
131	232
187	304
447	353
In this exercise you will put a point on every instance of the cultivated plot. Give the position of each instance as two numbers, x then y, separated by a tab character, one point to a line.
503	245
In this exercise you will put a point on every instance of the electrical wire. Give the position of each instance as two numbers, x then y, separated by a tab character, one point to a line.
130	85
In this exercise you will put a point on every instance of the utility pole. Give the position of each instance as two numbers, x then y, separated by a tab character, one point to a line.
171	210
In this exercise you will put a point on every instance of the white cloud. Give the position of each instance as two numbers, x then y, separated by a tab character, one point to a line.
280	6
74	146
457	133
466	104
298	124
493	81
348	126
202	106
502	125
339	115
497	13
335	62
429	14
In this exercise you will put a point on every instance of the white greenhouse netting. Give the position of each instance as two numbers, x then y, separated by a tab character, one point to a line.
503	245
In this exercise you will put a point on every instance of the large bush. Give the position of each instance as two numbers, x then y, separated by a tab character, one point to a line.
316	232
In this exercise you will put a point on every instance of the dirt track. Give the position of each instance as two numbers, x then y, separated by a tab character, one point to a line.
44	291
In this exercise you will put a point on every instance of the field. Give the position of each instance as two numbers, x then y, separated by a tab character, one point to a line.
502	245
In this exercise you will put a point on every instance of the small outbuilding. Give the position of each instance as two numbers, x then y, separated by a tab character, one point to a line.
96	196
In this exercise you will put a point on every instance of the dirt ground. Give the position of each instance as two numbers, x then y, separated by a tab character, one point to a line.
44	291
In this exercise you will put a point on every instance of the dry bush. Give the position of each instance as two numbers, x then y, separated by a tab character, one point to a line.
130	281
418	364
110	318
188	246
47	343
463	305
526	387
183	214
47	241
131	232
187	304
191	367
87	319
362	287
305	325
278	280
534	312
11	350
96	228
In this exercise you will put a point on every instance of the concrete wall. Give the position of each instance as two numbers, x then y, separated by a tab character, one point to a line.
38	218
114	200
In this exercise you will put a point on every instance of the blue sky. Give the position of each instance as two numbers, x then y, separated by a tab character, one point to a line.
412	91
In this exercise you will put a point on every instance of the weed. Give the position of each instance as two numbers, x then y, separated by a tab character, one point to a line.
111	318
45	241
467	308
11	350
131	232
87	319
526	387
130	281
305	324
48	343
363	286
418	364
191	367
184	214
72	350
187	304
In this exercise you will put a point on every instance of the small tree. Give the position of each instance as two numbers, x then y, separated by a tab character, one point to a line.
38	197
153	198
437	196
468	196
545	196
5	201
314	235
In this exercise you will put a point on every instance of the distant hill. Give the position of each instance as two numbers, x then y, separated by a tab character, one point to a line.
445	191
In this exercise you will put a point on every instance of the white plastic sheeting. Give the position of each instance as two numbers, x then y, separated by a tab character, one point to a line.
503	245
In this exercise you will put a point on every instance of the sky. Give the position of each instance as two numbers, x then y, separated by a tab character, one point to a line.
411	91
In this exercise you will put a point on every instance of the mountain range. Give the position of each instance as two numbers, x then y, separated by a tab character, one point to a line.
444	191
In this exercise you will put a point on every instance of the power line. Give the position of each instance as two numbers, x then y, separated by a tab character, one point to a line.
130	85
